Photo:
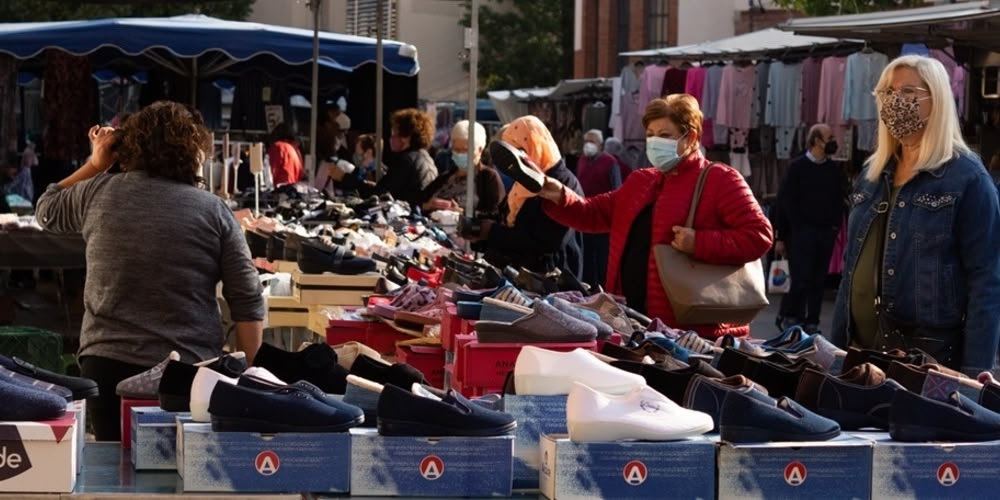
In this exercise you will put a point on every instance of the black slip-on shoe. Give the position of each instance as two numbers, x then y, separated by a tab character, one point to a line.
316	364
82	388
290	408
175	384
398	374
403	413
517	166
316	257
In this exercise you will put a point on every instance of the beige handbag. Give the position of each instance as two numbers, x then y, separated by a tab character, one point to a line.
703	293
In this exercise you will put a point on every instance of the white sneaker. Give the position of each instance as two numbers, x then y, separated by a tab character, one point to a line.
541	372
201	392
642	414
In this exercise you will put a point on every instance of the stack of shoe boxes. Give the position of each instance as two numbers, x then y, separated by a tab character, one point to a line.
426	358
247	462
933	470
126	415
840	467
39	457
430	467
481	368
333	289
372	333
79	411
672	469
536	415
451	327
286	312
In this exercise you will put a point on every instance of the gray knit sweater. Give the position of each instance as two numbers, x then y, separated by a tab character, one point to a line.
156	250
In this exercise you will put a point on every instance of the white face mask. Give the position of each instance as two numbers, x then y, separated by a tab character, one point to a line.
662	153
590	149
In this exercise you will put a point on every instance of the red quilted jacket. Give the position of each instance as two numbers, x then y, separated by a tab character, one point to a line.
729	225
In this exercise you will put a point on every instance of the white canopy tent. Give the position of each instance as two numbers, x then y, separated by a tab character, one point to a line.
510	104
757	43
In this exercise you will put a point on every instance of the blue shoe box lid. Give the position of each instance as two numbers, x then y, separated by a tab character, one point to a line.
536	415
812	469
244	462
154	438
430	467
933	470
640	469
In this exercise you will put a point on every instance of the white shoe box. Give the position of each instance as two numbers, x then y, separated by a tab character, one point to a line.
430	467
623	469
333	289
840	467
249	462
39	457
536	415
154	438
933	470
79	411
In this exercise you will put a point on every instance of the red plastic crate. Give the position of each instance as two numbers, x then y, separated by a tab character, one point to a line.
487	364
461	340
374	334
126	409
428	359
452	325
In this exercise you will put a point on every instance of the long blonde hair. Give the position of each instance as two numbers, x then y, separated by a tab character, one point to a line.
942	138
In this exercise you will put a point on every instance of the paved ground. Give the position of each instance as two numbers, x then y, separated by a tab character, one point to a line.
763	326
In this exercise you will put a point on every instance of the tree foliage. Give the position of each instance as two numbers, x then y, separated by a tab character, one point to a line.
524	43
13	11
830	8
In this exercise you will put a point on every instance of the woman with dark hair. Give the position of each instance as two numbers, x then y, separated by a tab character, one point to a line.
411	168
284	156
157	246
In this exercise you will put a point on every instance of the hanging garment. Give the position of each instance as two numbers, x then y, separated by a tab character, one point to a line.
739	157
812	69
831	95
595	116
784	104
651	84
735	103
69	106
867	135
694	85
615	122
957	74
8	101
860	78
210	104
914	49
713	133
674	82
632	132
759	94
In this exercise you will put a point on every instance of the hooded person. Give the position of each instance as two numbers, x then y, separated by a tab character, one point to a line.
525	237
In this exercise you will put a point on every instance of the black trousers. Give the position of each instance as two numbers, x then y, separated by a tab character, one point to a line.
809	250
104	411
595	258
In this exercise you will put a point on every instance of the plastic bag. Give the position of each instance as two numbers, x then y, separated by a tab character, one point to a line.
778	278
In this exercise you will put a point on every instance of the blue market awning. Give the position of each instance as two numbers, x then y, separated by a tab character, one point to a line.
193	36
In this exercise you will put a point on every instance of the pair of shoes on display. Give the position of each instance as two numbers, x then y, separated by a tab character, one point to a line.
23	401
260	402
917	418
420	411
177	378
80	388
544	324
368	375
776	372
317	364
857	399
317	257
469	303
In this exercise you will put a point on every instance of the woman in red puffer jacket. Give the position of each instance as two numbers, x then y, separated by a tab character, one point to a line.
652	205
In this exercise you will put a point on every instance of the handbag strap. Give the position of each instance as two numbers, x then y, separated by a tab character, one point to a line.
697	195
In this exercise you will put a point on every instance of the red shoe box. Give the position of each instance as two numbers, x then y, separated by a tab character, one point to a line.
432	278
383	337
126	416
374	334
452	326
487	364
460	340
428	359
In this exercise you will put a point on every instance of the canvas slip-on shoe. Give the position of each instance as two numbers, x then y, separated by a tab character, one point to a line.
541	372
291	408
915	418
82	388
417	412
641	414
23	403
751	417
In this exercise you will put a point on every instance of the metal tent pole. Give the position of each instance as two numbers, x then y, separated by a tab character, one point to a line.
379	61
314	101
472	43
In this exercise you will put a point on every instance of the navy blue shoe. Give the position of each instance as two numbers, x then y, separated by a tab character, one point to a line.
707	394
82	388
316	257
403	413
989	397
916	418
292	408
748	418
857	399
21	403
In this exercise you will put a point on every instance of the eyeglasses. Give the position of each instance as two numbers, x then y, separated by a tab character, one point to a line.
907	91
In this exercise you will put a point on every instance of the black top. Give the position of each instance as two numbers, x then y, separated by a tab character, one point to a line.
535	241
489	190
813	194
635	260
409	173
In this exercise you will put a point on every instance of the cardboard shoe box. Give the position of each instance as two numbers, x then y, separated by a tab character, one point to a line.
536	415
333	289
430	467
39	457
818	469
933	470
640	469
286	312
79	411
154	438
247	462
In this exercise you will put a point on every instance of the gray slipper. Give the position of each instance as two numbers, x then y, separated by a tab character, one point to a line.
545	324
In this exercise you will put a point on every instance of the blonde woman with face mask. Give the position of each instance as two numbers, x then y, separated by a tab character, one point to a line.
921	268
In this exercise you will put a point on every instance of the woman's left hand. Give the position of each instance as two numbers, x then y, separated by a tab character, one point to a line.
683	239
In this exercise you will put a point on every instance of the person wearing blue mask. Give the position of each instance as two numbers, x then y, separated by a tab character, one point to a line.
448	191
650	209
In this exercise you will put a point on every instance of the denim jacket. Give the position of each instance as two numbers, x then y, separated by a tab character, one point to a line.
941	264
